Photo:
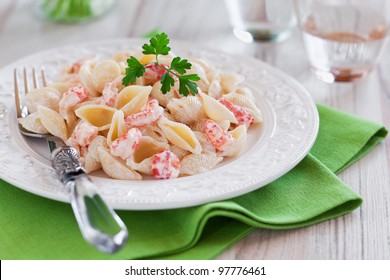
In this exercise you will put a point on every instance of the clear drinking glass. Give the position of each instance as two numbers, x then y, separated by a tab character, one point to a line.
261	20
343	38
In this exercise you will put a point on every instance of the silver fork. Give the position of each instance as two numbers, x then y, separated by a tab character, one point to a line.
99	224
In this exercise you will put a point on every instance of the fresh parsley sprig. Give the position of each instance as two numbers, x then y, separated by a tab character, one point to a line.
158	45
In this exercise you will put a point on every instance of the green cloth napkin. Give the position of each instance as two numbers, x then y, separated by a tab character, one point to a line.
32	227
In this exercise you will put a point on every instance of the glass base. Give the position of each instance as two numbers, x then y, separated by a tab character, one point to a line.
341	74
249	36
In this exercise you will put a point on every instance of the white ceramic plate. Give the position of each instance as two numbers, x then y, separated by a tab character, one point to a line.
288	132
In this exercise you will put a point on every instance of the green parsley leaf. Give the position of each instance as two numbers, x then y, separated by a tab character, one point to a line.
158	45
166	83
180	65
191	77
134	69
186	86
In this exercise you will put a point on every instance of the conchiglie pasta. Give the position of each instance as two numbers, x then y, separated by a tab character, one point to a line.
117	127
203	83
180	135
53	122
215	110
246	103
144	167
195	164
105	72
163	99
186	110
33	123
240	136
132	98
230	82
153	131
115	168
97	115
142	159
47	97
133	130
148	147
92	159
85	75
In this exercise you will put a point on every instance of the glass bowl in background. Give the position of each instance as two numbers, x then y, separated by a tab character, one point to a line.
72	11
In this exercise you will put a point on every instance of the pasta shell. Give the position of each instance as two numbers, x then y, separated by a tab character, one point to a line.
53	122
146	58
203	83
115	168
214	75
147	148
215	110
166	59
33	123
117	127
195	164
61	87
246	103
92	159
153	131
180	135
205	65
204	142
215	89
179	152
70	79
105	72
97	115
144	167
163	99
230	82
199	125
247	93
70	120
122	56
85	74
187	109
132	98
240	136
90	101
47	97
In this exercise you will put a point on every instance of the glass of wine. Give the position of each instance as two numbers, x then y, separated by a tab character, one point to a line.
343	38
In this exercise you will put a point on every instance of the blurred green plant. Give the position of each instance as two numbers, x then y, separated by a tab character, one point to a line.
73	10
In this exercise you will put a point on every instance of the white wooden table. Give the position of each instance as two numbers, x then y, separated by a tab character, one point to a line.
363	234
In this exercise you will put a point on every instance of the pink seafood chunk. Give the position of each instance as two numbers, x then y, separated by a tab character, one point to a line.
165	165
84	133
150	113
218	137
125	146
153	72
73	96
109	94
242	115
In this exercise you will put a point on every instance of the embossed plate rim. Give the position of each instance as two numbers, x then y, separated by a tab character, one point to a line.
290	128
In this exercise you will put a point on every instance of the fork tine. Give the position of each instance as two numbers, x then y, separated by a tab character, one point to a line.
35	79
26	85
17	98
43	77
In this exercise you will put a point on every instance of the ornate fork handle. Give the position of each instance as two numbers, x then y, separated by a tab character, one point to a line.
98	223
